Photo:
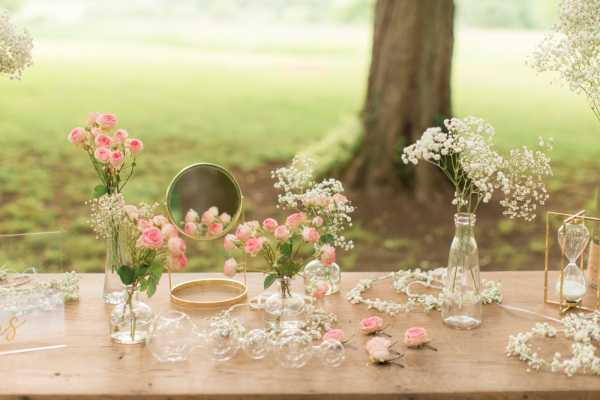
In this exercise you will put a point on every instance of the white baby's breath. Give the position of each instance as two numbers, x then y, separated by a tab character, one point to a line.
15	48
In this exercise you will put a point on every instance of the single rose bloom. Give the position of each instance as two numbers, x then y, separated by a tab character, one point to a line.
214	210
415	336
151	238
120	136
103	141
225	218
320	290
270	224
335	334
106	121
102	154
253	246
191	216
91	118
207	217
295	220
215	229
317	221
310	235
380	356
169	231
176	246
116	159
243	232
190	228
230	267
77	136
282	233
327	254
229	242
178	262
371	324
378	342
134	145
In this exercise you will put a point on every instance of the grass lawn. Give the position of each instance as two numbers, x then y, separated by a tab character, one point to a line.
241	103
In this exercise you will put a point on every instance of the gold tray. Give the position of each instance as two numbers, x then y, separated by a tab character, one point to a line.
208	293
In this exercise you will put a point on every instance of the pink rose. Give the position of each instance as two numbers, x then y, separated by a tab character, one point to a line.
190	228
116	159
160	220
282	233
335	334
91	118
340	199
151	238
225	218
415	336
131	212
371	324
229	242
103	141
102	154
207	217
178	262
269	224
215	229
77	136
176	246
230	267
144	224
134	145
320	290
120	136
106	121
327	254
317	221
253	246
169	231
294	220
378	342
243	232
379	350
310	235
191	216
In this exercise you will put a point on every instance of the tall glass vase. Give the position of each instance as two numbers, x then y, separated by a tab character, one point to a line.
462	283
116	255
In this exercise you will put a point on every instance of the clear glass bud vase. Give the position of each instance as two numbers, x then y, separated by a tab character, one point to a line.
116	255
130	320
284	309
316	273
462	283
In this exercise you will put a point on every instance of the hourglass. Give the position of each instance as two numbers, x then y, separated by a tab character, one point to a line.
573	237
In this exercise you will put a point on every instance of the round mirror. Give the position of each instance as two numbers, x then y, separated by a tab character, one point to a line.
204	201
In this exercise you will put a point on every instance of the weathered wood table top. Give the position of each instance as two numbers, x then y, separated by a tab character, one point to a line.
468	365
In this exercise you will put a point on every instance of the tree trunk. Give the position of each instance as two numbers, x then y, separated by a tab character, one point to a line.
408	90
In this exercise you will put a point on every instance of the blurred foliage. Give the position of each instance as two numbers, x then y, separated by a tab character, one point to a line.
517	14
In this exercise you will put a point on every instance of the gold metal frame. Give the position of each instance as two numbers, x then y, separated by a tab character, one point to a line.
563	303
242	287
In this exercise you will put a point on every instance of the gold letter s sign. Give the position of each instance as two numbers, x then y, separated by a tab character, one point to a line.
8	328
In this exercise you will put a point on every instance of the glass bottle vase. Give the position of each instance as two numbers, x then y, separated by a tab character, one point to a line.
284	309
315	273
462	283
116	255
130	320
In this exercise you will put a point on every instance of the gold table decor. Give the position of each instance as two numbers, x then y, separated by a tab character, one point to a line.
564	304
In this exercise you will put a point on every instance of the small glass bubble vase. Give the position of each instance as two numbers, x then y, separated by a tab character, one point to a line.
284	309
116	255
462	283
130	320
315	273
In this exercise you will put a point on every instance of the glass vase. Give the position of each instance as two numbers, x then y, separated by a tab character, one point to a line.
316	273
130	320
284	309
116	255
462	283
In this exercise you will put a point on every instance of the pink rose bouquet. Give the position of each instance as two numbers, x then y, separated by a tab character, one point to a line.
113	156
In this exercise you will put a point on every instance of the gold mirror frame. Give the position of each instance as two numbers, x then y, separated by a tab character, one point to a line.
241	287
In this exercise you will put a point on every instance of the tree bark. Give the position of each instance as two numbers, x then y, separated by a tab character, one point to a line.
408	90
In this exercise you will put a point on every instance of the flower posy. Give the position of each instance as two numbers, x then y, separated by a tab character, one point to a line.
15	48
371	325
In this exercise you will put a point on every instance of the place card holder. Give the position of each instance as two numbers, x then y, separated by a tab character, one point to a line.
591	299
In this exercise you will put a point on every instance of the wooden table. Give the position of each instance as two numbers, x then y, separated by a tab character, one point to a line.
468	365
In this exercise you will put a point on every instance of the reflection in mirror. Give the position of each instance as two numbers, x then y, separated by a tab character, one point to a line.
204	201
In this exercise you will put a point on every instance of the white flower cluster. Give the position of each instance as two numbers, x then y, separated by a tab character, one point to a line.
572	50
106	214
464	151
325	199
403	280
15	48
583	330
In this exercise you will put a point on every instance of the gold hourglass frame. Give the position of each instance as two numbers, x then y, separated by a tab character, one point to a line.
562	302
200	186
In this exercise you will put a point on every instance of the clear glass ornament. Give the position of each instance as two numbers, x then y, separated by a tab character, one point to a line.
462	283
331	353
316	272
293	348
284	309
172	336
223	342
130	320
573	238
256	344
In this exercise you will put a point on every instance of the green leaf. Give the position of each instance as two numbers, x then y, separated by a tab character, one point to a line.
327	238
286	249
155	272
126	274
269	280
100	190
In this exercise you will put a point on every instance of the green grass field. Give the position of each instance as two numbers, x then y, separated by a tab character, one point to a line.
236	102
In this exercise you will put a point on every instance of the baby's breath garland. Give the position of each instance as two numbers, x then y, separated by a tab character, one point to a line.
581	329
404	280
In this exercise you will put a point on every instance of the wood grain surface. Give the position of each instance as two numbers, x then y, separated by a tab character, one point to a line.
468	365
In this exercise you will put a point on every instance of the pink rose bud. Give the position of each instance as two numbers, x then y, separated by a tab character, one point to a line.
169	231
207	217
295	220
243	232
176	246
310	235
190	228
103	141
230	267
120	136
327	254
215	229
371	324
317	221
191	216
320	290
116	159
225	218
214	211
178	262
134	145
106	121
77	136
282	233
415	337
269	224
91	118
102	154
253	246
151	238
229	242
335	334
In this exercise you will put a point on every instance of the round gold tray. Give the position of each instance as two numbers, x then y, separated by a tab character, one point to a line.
208	293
